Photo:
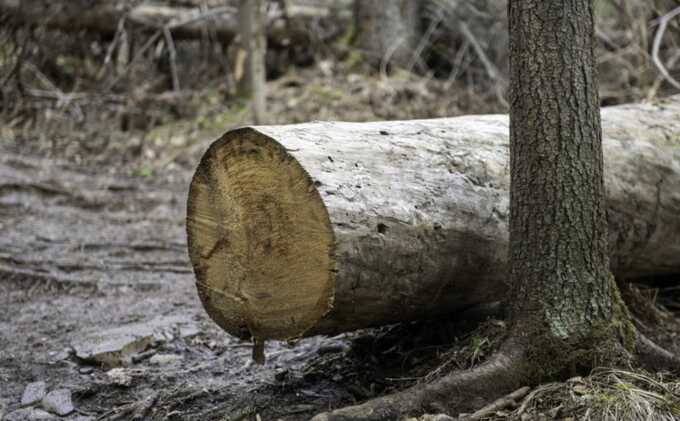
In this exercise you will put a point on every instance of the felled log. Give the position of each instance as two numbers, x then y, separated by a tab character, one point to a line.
329	227
186	21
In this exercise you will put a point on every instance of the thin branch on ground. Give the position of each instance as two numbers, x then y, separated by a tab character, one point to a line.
502	403
653	357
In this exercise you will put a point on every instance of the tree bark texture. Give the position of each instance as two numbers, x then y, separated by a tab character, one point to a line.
388	31
330	227
558	229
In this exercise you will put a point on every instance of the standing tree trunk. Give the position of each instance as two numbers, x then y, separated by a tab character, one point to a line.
388	31
563	297
251	71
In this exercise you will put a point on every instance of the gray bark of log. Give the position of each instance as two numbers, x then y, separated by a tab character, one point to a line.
420	208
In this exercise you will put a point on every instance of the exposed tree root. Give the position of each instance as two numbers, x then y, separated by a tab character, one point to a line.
464	391
655	358
460	391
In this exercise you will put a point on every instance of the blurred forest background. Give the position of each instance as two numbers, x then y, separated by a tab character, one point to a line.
139	82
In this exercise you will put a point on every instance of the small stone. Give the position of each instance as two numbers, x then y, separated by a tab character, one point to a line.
114	348
33	393
436	417
29	414
85	370
189	331
165	359
119	377
59	402
62	355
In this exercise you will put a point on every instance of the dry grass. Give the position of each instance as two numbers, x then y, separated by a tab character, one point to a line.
605	395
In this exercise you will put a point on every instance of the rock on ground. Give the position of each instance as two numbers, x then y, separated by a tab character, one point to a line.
29	414
33	393
59	402
120	377
165	359
116	347
432	417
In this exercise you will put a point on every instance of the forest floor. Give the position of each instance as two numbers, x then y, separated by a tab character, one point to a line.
98	296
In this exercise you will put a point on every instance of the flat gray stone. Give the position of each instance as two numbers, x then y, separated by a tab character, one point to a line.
59	402
189	331
115	347
29	414
33	393
165	359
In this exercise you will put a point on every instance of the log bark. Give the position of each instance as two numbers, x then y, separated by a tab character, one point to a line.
330	227
186	22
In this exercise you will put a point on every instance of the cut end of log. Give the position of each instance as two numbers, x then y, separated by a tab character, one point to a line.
260	239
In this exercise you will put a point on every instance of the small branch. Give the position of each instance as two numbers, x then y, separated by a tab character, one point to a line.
491	69
172	56
109	51
654	357
139	54
504	402
425	40
663	25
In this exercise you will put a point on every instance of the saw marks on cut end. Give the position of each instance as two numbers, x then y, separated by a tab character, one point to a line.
260	239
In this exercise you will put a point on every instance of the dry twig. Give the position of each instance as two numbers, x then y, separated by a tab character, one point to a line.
663	25
504	402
